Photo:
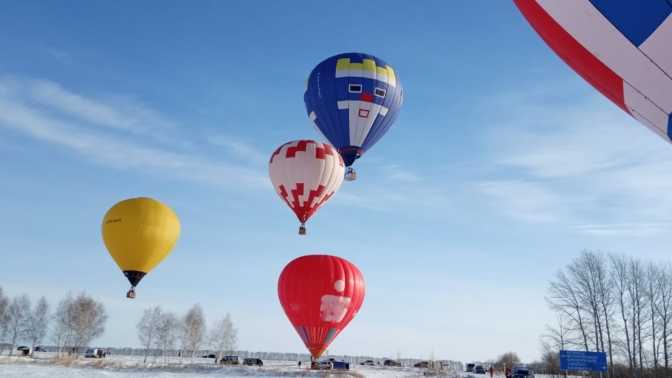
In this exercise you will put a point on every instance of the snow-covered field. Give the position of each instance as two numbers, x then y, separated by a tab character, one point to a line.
46	365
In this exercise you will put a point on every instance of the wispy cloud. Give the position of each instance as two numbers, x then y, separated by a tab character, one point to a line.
397	172
120	113
238	149
624	229
525	201
60	55
584	161
50	114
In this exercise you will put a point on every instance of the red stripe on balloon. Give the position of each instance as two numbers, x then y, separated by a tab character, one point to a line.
573	53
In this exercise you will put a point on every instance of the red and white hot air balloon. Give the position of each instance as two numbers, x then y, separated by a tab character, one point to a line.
305	174
320	295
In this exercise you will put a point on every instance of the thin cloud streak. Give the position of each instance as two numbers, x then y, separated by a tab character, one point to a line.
118	154
591	168
125	115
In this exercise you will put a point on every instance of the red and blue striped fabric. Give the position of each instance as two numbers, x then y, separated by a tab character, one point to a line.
623	48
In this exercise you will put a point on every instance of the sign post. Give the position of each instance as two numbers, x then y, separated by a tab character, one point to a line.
583	361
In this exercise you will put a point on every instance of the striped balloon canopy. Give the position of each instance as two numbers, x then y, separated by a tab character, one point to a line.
623	48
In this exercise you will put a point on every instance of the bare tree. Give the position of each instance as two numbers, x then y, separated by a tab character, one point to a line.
4	302
563	297
590	274
637	291
509	359
62	331
194	329
620	279
149	328
18	313
550	356
559	337
224	336
38	321
167	333
653	296
88	319
663	308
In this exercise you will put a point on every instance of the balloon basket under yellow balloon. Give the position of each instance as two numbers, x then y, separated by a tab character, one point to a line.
130	294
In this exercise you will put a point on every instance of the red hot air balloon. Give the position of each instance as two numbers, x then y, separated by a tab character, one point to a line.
305	174
320	295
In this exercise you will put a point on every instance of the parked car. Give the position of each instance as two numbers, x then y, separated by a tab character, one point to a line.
479	369
39	349
470	368
325	365
253	362
422	364
367	362
523	373
391	363
231	360
93	353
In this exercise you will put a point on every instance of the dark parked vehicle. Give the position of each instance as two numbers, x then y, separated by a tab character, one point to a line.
253	362
523	373
470	368
231	360
391	363
479	369
422	364
210	356
40	349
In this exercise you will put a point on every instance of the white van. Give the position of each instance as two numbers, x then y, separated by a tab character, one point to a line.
93	353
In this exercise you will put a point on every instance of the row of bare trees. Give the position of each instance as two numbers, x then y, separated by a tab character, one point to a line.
77	320
162	330
615	304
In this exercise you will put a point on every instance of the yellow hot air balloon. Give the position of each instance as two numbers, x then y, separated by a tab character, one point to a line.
139	233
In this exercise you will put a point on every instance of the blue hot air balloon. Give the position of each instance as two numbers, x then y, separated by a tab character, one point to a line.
352	99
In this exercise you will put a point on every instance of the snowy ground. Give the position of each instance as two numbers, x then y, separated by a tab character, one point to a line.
46	365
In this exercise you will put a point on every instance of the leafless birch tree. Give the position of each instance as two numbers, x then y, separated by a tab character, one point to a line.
169	328
38	321
149	328
4	302
62	329
223	336
18	312
194	329
88	320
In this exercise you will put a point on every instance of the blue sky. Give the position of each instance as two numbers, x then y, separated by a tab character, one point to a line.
502	166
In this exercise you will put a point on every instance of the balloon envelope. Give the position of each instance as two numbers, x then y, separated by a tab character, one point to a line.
320	295
353	99
306	174
622	48
139	233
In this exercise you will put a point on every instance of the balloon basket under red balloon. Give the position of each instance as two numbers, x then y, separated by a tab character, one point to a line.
130	294
302	229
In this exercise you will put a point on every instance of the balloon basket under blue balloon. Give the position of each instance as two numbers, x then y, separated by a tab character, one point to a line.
350	174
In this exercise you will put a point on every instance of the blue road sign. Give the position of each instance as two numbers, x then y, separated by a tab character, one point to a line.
583	361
